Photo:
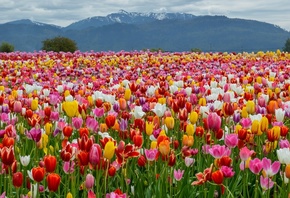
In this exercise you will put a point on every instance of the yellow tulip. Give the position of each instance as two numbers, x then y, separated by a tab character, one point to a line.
149	128
189	129
162	100
47	128
109	150
193	117
238	127
169	122
90	100
202	102
153	145
66	93
264	125
255	126
244	113
34	104
70	108
127	94
250	105
69	195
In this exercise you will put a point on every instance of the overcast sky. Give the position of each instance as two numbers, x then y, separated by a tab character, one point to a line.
65	12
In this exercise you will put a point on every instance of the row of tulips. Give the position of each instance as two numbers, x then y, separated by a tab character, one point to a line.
144	124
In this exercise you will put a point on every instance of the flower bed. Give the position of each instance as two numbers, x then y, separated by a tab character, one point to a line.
144	124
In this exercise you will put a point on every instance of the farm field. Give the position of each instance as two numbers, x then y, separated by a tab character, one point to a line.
144	124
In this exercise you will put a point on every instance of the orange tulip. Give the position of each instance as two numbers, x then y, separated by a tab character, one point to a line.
164	147
272	106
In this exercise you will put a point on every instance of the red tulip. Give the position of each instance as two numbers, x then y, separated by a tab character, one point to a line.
138	140
67	131
110	120
17	179
141	161
53	181
50	163
217	177
83	157
7	155
38	173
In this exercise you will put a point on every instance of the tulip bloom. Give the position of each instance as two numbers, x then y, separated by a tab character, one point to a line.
53	181
34	104
266	183
193	117
110	120
218	151
217	177
270	169
38	173
283	155
178	174
50	163
95	154
109	150
149	128
90	180
169	122
151	154
256	165
231	140
70	108
7	155
214	121
17	179
164	147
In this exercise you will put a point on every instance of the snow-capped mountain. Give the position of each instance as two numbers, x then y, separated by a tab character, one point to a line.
127	17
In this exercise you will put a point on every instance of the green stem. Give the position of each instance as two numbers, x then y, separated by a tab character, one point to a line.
256	187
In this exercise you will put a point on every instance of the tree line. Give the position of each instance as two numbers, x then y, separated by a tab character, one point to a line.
63	44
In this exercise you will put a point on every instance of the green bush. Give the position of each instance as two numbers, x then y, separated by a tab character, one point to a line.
287	46
6	47
59	44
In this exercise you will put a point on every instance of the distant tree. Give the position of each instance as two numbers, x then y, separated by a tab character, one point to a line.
287	46
59	44
195	50
6	47
156	50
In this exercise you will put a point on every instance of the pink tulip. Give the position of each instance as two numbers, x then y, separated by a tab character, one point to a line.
218	151
256	166
245	153
284	144
99	112
227	171
17	107
90	180
92	123
269	169
231	140
188	161
91	194
246	123
95	154
178	174
151	154
214	121
77	122
266	183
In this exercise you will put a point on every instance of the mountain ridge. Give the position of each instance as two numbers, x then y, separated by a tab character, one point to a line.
136	31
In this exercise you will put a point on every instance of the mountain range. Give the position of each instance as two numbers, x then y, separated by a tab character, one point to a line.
136	31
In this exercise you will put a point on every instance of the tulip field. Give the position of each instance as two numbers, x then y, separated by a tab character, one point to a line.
144	124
